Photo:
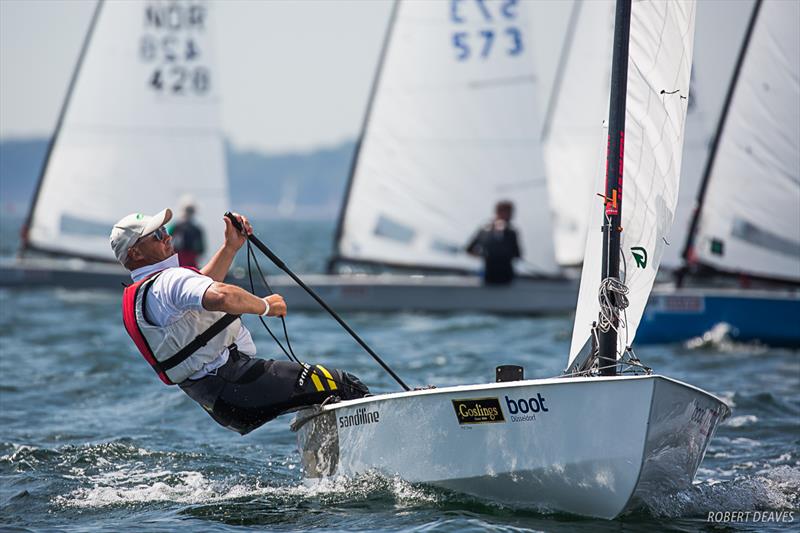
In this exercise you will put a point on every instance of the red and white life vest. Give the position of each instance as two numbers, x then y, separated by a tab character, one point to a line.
177	350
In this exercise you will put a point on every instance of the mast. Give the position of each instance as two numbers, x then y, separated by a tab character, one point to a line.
73	80
612	224
357	149
689	246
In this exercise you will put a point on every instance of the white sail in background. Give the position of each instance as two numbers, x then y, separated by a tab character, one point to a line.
140	129
453	128
750	218
574	152
659	67
719	32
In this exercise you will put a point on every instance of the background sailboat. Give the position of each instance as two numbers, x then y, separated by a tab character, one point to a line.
742	252
452	127
138	130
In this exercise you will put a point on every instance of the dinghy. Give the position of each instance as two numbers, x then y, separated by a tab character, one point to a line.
607	435
138	130
741	256
452	127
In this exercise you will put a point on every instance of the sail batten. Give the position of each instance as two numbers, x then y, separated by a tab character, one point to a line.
139	130
453	127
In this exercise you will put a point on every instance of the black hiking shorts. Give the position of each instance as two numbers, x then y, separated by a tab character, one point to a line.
247	392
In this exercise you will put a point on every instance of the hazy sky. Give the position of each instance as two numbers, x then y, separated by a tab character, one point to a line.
296	74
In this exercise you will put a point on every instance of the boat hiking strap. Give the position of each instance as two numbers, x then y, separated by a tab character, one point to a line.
316	410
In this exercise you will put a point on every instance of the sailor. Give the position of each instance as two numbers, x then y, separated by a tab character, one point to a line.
185	322
497	243
187	237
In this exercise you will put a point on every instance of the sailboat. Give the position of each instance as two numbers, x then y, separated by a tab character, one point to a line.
608	434
575	118
451	128
741	269
139	129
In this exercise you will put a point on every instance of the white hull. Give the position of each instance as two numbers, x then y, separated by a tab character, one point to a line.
588	446
375	293
69	273
439	294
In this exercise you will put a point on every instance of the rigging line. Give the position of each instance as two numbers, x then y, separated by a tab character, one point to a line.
269	288
280	264
311	368
261	319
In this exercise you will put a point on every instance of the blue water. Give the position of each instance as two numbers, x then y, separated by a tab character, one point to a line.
91	440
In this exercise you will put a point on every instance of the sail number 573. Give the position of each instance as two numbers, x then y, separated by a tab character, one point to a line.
492	39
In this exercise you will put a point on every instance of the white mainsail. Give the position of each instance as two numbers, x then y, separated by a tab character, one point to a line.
453	128
574	154
750	217
659	67
139	131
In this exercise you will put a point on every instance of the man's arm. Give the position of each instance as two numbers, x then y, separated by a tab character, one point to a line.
217	267
515	251
237	301
475	246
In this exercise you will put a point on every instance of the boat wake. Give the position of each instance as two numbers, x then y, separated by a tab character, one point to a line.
720	338
134	486
121	475
777	489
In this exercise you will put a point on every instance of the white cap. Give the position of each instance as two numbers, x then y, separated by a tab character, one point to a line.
132	228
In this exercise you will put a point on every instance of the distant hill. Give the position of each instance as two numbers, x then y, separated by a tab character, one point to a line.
20	161
294	185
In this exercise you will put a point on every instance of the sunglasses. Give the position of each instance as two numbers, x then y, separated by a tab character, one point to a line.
159	234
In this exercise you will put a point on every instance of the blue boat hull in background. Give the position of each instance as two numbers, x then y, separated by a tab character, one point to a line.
677	315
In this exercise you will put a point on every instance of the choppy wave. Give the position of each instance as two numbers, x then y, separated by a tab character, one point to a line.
719	338
137	485
775	489
92	441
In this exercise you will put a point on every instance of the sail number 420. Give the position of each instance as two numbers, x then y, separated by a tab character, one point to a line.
485	41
